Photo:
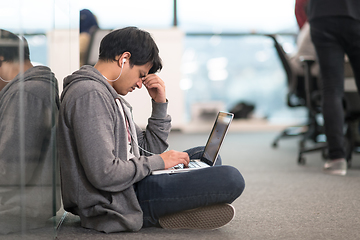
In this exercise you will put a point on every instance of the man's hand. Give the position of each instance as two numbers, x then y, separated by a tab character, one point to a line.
172	158
156	87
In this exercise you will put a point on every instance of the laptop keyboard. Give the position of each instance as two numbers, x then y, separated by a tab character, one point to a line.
179	166
192	164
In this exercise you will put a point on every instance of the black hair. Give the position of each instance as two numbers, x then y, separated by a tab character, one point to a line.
137	42
10	45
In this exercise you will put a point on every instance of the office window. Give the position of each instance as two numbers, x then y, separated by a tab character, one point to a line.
236	15
141	13
228	59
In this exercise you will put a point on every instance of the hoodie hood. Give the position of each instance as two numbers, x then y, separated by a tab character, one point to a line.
37	73
87	73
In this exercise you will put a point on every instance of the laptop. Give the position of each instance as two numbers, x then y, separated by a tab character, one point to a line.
211	150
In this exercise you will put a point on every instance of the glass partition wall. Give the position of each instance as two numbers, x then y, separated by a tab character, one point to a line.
30	205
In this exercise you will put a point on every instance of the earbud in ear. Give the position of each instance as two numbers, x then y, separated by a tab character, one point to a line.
123	61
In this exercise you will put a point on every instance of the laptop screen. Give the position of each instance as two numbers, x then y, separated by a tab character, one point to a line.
217	135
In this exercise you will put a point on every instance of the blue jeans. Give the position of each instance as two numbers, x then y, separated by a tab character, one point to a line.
332	38
164	194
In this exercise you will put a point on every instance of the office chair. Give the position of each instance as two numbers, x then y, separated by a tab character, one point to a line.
352	113
313	104
296	96
352	116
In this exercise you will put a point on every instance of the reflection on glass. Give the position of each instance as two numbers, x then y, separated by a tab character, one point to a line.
28	108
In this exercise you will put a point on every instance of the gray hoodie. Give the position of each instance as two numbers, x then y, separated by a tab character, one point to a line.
96	175
28	112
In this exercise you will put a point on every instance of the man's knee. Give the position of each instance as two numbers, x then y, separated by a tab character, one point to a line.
232	179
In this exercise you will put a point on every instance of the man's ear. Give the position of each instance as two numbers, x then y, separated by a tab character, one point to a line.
126	55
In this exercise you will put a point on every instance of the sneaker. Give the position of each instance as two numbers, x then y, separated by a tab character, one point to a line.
336	167
204	218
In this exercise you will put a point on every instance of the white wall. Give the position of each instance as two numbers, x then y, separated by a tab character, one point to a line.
63	49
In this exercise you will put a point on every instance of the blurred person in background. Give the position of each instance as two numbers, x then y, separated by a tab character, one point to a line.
335	31
88	24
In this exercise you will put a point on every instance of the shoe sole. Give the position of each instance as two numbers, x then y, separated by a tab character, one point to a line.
335	172
337	167
204	218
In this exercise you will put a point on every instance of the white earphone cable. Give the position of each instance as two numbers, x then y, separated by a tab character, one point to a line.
123	61
131	134
4	80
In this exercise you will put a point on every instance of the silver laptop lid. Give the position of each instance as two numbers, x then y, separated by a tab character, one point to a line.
216	137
